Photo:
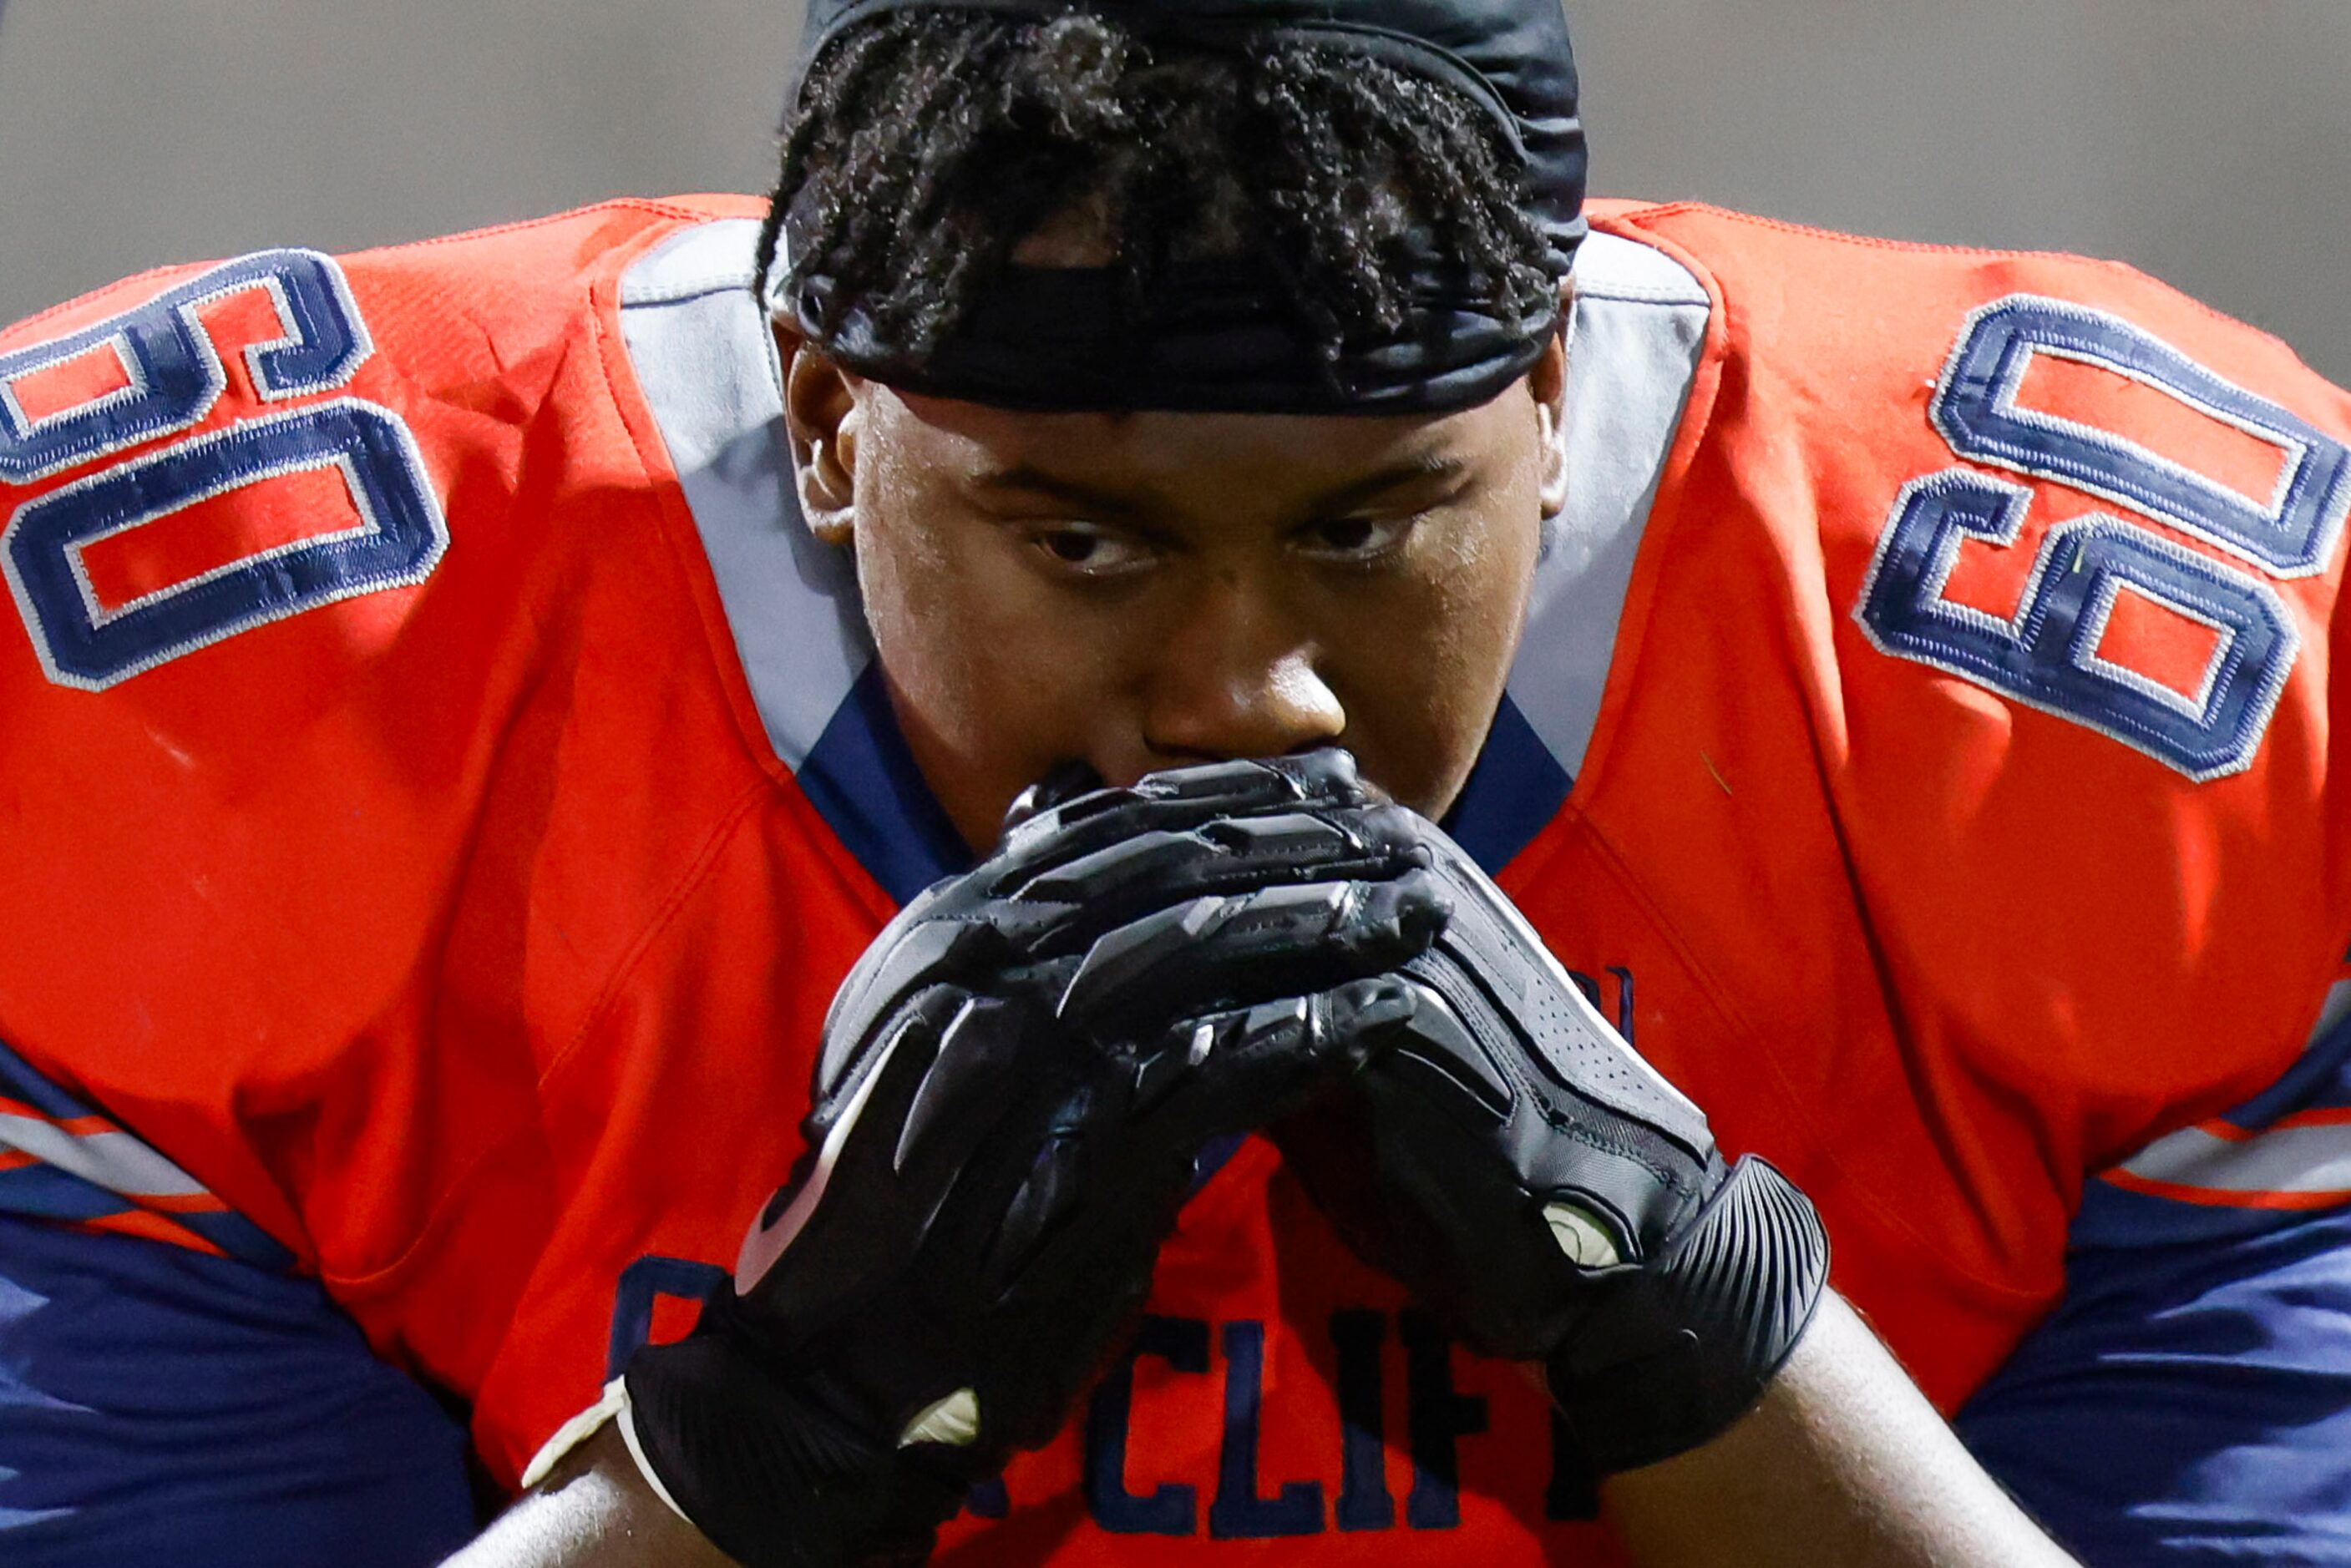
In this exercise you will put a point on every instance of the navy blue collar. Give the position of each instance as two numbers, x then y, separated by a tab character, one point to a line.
862	781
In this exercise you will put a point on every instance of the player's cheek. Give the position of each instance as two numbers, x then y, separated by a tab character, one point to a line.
1050	673
961	649
1405	722
1420	665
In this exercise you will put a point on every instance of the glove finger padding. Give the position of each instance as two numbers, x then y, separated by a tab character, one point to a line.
1014	1085
1182	799
1511	1161
1033	905
1266	942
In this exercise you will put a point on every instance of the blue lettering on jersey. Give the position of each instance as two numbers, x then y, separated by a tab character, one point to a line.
1246	1506
642	1285
173	374
1440	1415
173	369
2289	533
1239	1514
1364	1502
1170	1507
2050	654
397	541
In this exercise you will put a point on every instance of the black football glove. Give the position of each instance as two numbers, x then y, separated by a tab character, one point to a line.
1509	1159
1015	1081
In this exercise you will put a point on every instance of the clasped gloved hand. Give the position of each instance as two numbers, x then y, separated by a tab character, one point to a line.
1509	1159
1015	1081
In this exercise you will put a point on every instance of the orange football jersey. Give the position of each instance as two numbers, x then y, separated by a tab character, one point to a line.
445	783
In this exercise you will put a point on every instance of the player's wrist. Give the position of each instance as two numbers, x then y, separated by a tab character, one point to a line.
776	1474
1674	1352
1512	1160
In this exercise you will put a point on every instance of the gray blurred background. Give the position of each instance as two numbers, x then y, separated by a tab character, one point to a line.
2207	141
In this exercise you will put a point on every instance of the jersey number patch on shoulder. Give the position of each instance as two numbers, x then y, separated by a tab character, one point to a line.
99	612
2120	628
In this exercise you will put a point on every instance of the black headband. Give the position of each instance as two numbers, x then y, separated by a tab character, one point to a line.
1220	335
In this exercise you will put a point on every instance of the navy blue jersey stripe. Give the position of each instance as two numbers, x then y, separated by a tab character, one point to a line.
47	1191
19	1081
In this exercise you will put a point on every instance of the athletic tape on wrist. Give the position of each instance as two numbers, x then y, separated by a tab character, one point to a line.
613	1405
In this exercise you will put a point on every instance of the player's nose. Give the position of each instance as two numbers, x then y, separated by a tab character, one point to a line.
1235	680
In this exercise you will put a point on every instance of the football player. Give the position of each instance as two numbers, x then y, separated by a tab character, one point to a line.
477	702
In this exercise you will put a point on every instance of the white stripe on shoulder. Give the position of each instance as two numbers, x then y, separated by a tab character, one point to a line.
706	362
2303	1154
112	1159
2293	1159
2331	1012
1634	340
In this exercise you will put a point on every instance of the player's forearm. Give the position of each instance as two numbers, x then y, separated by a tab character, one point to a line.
595	1512
1843	1462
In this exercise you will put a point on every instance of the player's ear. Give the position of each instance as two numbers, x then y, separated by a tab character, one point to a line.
822	416
1548	383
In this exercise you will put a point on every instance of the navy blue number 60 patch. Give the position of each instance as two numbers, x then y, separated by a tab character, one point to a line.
2049	654
170	377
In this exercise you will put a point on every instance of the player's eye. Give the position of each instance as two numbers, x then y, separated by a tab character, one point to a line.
1355	540
1090	549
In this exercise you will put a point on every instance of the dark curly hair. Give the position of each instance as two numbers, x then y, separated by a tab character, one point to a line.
927	144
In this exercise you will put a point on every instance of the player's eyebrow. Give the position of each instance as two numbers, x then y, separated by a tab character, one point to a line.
1433	468
1429	469
1090	500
